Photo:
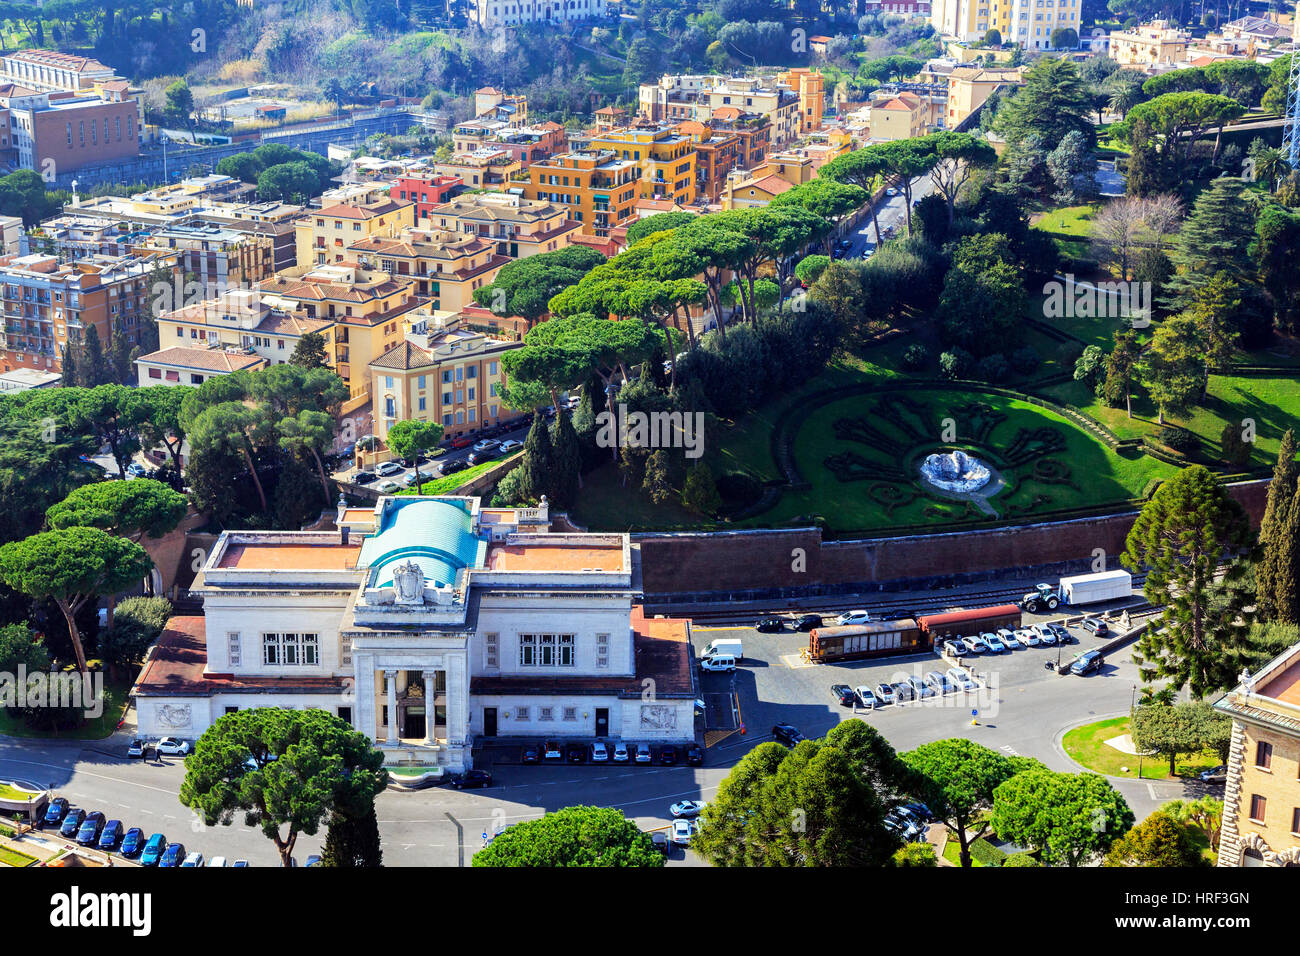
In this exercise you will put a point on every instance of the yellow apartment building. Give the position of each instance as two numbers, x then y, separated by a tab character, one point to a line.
904	116
1151	44
447	266
323	235
970	86
664	157
1261	801
520	227
242	319
367	308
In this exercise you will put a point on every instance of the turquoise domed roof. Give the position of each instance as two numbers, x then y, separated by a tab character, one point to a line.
434	533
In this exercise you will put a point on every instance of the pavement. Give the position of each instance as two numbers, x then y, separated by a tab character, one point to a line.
892	215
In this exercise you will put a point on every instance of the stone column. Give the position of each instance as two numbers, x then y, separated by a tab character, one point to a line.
457	700
430	715
391	676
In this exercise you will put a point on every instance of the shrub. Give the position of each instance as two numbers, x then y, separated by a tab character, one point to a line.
1025	360
150	614
1021	859
954	363
915	357
1179	439
739	489
982	851
993	368
810	268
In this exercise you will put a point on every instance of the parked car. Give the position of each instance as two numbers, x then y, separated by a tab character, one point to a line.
976	645
1046	636
1063	635
853	617
111	836
1087	663
807	622
575	753
153	850
456	464
920	687
72	822
621	754
552	751
695	755
940	682
511	446
132	843
487	454
688	809
683	830
531	754
1008	638
865	697
387	487
55	812
668	756
90	829
769	625
643	754
417	477
1214	775
386	469
1028	637
958	647
136	470
462	441
962	679
173	747
659	840
487	444
844	694
1095	626
364	477
138	748
239	864
903	692
194	859
599	752
218	862
473	779
787	734
885	693
173	856
993	643
718	663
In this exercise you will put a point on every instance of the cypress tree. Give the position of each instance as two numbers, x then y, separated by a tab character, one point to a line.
656	483
120	353
69	363
1286	579
567	451
92	355
539	460
353	842
1274	547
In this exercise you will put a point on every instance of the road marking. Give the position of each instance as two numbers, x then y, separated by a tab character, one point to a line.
795	661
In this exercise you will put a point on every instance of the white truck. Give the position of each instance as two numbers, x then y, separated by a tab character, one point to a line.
725	647
1079	589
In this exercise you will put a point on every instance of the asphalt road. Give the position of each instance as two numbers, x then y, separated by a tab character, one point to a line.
892	215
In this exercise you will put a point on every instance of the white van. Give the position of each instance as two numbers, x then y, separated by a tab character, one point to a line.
718	663
728	646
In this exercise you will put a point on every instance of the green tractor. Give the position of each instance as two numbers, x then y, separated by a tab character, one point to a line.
1042	598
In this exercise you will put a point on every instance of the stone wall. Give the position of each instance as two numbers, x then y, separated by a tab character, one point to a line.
797	561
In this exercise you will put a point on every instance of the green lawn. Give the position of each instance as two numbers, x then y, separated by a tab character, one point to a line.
449	483
9	857
115	693
1088	746
12	793
1068	220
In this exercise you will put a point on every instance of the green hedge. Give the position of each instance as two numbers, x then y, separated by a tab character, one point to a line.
985	853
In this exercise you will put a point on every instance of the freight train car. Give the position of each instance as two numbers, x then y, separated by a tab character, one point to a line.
855	641
971	621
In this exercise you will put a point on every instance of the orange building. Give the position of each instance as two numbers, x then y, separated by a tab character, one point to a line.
597	187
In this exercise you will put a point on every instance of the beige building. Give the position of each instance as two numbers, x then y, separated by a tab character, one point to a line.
447	266
520	227
193	365
1151	44
441	373
324	235
243	319
970	86
676	98
744	191
489	14
1030	23
904	116
1261	803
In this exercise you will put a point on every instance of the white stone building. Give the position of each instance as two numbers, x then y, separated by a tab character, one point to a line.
489	14
427	623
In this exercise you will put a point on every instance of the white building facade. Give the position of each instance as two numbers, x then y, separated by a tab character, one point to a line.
489	14
428	624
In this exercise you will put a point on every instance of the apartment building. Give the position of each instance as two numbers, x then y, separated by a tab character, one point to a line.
447	266
243	319
498	104
744	191
426	190
49	303
664	157
216	257
598	188
367	308
520	227
60	132
799	164
1261	802
716	155
681	97
450	375
1029	23
904	116
1149	45
809	86
193	365
970	86
490	14
490	166
324	234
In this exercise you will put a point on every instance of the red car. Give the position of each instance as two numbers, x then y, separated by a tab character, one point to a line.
462	441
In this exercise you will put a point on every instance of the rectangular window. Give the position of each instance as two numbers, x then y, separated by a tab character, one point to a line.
602	650
490	644
521	714
1258	806
421	403
233	653
527	650
1295	821
570	713
566	650
1263	755
419	381
290	649
388	381
545	713
270	648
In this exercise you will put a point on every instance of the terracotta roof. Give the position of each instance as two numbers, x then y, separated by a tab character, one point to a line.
772	183
176	669
403	356
727	113
61	61
287	323
207	360
349	211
